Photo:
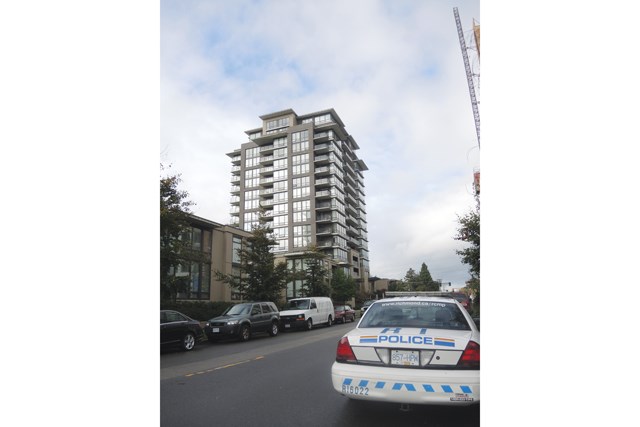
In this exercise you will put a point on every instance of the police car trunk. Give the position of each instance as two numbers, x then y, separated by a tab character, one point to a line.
411	350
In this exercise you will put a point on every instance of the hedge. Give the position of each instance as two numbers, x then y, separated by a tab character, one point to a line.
198	310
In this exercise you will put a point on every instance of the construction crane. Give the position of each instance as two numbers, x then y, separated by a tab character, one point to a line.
467	67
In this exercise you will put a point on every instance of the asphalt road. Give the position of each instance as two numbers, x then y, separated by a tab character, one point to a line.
280	381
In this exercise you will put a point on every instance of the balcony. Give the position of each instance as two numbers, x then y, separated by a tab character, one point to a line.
265	191
266	180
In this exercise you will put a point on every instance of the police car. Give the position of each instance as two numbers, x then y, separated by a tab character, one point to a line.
411	350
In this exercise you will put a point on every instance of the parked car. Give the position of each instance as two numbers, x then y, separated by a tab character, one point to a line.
344	313
307	312
411	350
177	329
242	320
366	305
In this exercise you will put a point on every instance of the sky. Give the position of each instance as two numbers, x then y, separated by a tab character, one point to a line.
392	70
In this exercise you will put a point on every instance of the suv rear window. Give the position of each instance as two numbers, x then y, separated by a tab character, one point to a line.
415	314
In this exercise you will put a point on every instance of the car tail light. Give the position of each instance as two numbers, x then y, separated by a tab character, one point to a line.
470	358
344	353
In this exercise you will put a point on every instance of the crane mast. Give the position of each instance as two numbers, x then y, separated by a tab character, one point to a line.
467	67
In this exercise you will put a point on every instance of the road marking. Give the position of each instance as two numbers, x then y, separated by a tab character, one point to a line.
230	365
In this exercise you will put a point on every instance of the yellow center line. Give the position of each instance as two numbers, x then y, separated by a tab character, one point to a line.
225	366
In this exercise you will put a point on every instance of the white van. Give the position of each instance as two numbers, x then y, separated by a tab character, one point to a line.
307	312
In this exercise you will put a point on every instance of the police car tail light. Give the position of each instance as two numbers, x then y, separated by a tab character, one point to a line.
344	352
471	356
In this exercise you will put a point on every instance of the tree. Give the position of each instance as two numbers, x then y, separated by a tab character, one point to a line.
343	286
425	281
175	248
315	274
469	232
410	280
260	278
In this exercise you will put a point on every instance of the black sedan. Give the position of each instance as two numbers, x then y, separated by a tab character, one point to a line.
177	329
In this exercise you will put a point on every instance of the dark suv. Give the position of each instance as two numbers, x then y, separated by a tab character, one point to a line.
242	320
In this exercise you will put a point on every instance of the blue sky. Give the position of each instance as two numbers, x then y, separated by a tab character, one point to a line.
392	70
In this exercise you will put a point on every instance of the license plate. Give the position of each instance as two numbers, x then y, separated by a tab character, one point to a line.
405	357
287	326
215	330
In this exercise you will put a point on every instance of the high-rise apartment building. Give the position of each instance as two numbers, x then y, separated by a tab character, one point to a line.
303	172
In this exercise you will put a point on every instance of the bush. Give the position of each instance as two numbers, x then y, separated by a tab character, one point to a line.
198	310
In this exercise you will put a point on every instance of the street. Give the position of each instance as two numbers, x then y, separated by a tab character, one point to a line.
277	381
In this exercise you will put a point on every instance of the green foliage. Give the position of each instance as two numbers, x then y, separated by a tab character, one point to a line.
260	279
469	232
175	246
315	274
343	286
418	282
198	310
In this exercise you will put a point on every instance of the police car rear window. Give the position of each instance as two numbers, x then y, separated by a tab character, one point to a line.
415	314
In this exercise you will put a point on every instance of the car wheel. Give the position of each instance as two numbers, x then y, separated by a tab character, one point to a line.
274	329
329	321
245	333
309	324
188	341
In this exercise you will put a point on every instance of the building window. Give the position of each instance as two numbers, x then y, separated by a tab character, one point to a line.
300	159
300	146
278	123
281	246
252	152
300	136
301	216
280	175
280	164
251	204
326	118
281	233
237	246
301	192
300	169
301	182
280	220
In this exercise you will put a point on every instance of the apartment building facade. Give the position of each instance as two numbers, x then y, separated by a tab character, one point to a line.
301	174
219	244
